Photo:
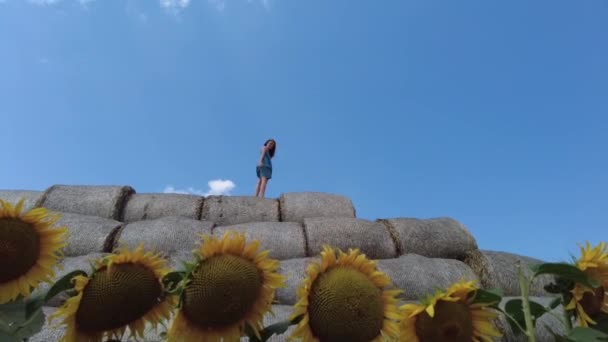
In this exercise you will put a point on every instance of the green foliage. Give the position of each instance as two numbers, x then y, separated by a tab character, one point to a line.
566	276
555	303
602	323
65	283
172	280
277	328
15	325
579	334
492	297
514	308
566	272
560	286
24	318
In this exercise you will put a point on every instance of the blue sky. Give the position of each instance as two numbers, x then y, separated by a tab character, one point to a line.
493	113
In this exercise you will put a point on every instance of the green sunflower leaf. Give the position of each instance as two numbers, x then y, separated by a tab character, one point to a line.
580	334
6	337
14	325
601	321
4	328
30	327
486	296
565	271
533	266
172	280
34	303
497	291
63	284
12	315
555	303
251	334
277	328
190	266
514	308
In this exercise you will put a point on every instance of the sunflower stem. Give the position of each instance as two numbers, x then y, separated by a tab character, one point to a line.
513	320
524	285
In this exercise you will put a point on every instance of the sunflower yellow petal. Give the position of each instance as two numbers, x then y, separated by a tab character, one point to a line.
23	227
357	262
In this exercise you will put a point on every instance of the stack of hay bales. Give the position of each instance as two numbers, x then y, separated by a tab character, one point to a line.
419	255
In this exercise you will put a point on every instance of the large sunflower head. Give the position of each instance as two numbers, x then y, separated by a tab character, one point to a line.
124	291
344	297
590	302
231	286
29	249
449	316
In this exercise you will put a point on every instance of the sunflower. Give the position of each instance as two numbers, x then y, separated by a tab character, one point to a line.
125	290
231	286
449	316
589	302
29	249
344	298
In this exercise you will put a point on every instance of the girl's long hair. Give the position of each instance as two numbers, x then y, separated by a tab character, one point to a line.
271	151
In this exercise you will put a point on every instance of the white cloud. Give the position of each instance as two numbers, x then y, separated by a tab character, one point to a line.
171	6
44	2
220	187
52	2
216	187
175	3
174	6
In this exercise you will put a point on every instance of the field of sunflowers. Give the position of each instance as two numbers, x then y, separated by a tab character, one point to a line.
230	284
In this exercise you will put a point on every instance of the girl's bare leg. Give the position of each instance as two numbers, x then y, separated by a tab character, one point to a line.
257	187
263	183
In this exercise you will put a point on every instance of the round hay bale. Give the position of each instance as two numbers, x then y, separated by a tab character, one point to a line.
372	238
434	238
102	201
285	240
228	210
419	276
166	234
88	234
296	206
152	206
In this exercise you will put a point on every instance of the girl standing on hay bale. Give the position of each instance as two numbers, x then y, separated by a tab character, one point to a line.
264	167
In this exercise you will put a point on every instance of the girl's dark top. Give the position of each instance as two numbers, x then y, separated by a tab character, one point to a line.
266	160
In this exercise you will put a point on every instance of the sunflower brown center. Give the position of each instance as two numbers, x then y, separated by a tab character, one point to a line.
592	302
452	323
344	305
19	248
223	291
113	299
